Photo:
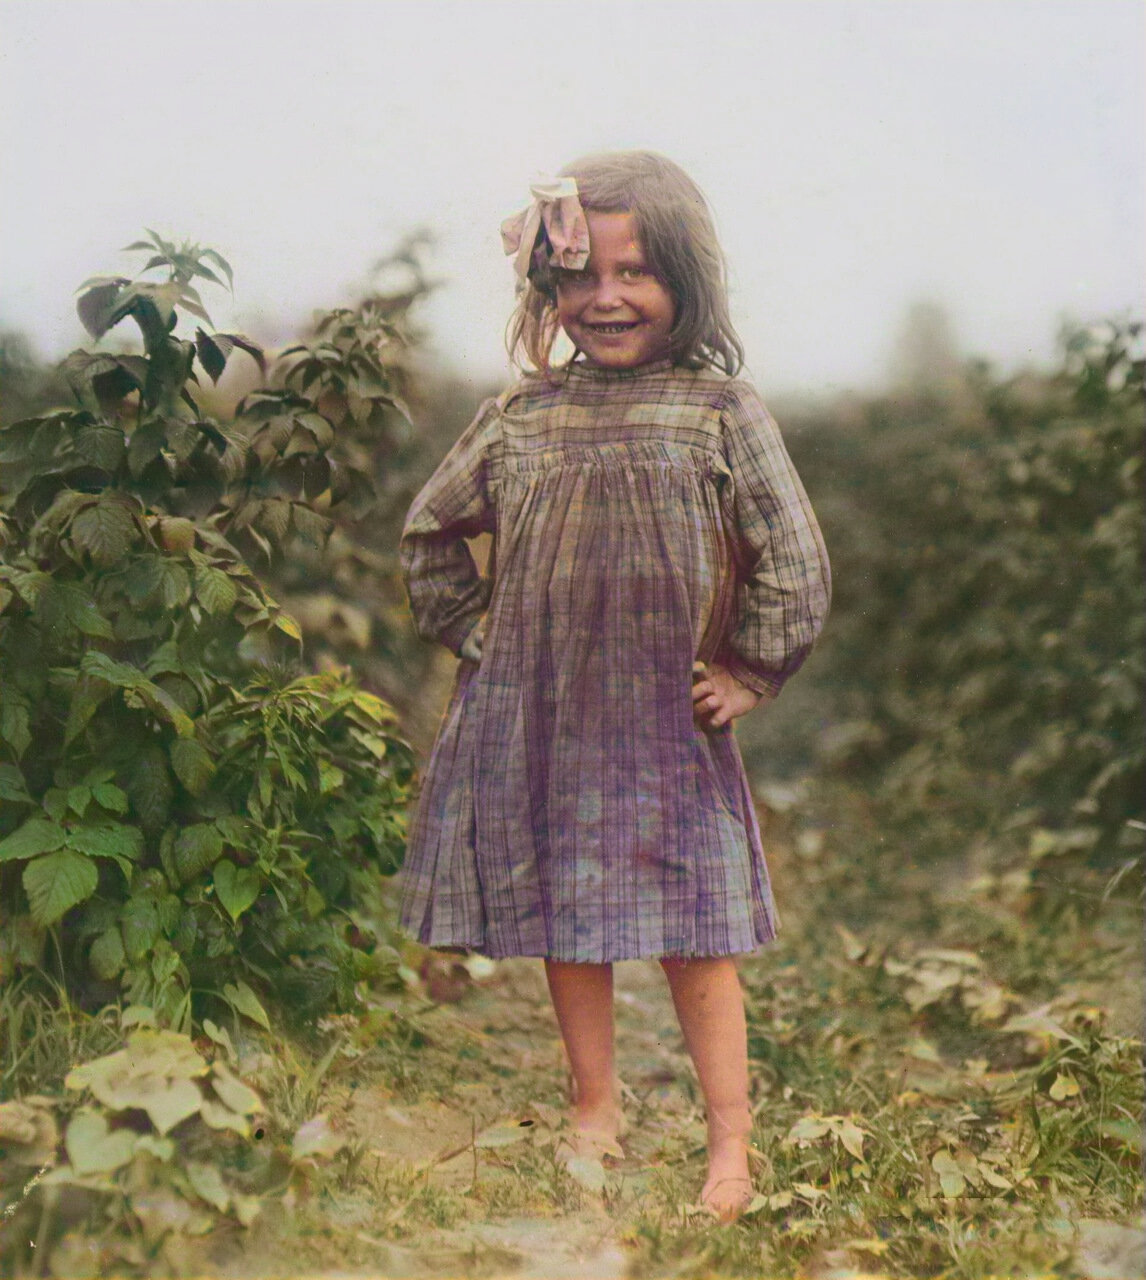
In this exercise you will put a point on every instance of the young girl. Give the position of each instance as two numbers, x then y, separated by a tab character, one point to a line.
656	572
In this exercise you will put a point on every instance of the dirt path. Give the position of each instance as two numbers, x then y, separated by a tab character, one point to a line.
462	1173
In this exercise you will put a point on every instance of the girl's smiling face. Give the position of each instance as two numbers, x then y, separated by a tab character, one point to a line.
615	311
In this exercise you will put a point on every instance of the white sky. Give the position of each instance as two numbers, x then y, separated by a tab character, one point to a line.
859	155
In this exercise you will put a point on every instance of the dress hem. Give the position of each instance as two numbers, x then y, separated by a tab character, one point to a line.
622	957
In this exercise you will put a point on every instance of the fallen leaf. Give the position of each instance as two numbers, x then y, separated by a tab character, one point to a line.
950	1174
852	1136
922	1050
316	1138
1039	1022
28	1133
1064	1086
809	1192
876	1247
854	949
502	1135
807	1129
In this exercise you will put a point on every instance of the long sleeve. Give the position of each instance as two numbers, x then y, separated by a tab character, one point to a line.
784	582
447	594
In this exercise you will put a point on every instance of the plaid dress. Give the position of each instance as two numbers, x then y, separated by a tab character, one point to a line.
571	808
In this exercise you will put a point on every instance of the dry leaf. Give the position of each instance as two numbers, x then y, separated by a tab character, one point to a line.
1065	1086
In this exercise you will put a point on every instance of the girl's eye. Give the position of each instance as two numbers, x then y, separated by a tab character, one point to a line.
633	273
573	279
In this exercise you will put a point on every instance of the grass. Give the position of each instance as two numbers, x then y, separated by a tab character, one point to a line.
946	1081
945	1084
43	1035
988	1131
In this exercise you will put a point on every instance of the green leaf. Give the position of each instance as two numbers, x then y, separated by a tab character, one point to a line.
245	344
110	797
57	882
193	766
120	674
330	777
98	308
87	695
237	888
61	604
149	787
212	353
55	803
78	799
231	1090
14	725
161	1148
93	1148
175	586
216	1116
215	590
12	785
221	1038
107	842
107	954
318	427
36	836
1126	1132
288	626
144	579
243	1000
224	266
310	526
208	1184
101	445
155	1073
145	446
162	704
197	848
139	920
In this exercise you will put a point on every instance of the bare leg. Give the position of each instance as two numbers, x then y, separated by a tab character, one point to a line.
710	1007
583	1001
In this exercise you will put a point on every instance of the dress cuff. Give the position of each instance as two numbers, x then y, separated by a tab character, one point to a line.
766	686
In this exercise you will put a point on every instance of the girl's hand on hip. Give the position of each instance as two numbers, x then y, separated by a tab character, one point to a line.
472	644
718	697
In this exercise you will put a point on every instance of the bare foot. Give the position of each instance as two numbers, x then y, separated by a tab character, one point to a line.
595	1131
728	1188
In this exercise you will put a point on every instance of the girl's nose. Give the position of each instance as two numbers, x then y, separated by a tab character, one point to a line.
608	294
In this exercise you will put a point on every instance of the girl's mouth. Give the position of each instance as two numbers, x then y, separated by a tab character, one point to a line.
615	327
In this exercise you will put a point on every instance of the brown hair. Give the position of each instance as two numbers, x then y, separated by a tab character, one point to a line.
679	240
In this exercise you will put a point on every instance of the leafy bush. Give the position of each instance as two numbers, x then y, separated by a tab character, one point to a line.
346	591
186	815
984	661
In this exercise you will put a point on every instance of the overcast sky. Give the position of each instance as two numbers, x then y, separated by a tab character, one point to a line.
859	155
